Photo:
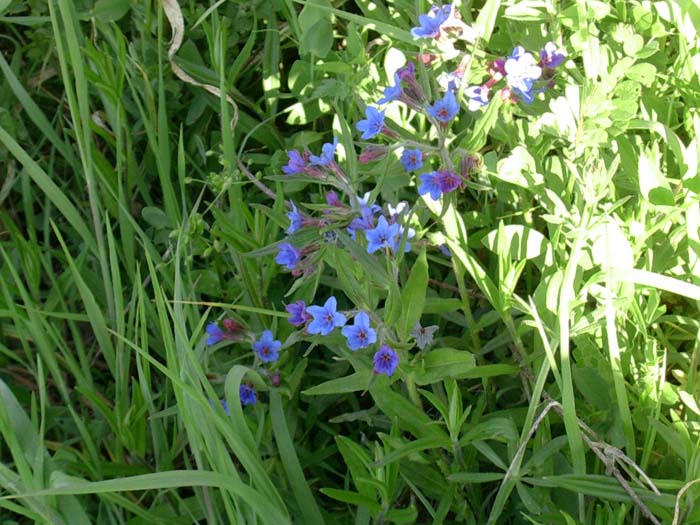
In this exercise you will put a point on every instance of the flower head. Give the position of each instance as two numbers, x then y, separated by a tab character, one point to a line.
430	184
295	219
395	211
288	256
325	318
216	334
373	124
248	395
410	234
360	334
521	73
478	97
423	334
364	222
412	159
267	348
430	23
365	204
383	236
298	314
551	56
296	164
385	361
444	109
327	154
333	200
392	93
438	182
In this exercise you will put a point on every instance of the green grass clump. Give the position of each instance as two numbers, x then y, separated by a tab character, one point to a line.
142	145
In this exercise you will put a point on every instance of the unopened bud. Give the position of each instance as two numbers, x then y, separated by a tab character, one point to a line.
371	153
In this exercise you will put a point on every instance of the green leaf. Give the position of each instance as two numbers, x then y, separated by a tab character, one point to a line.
652	184
356	382
317	29
413	295
111	10
444	363
643	73
523	243
156	217
354	498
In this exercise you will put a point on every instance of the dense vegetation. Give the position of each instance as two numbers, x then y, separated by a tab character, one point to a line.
519	342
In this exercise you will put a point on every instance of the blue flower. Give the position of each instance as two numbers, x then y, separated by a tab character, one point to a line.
383	236
365	204
295	219
216	334
521	73
296	165
327	154
430	184
392	93
478	97
365	222
412	159
267	348
360	334
551	56
430	23
444	109
385	361
410	235
288	256
373	124
326	318
247	395
299	315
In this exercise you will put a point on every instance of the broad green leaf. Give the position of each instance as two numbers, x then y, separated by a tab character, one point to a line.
522	242
413	295
442	363
111	10
652	184
356	382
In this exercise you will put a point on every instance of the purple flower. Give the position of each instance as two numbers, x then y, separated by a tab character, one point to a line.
448	181
451	81
360	334
267	348
333	200
392	93
400	208
288	256
295	219
326	318
383	236
216	334
299	315
385	361
373	124
365	222
247	395
438	182
412	159
551	56
521	73
478	97
327	154
296	165
444	109
430	23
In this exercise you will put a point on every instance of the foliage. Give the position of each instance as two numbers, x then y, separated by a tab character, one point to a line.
182	223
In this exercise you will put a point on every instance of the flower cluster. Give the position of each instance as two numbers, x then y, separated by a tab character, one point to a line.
266	349
521	72
323	320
